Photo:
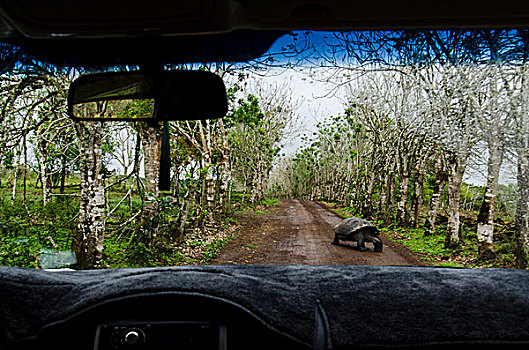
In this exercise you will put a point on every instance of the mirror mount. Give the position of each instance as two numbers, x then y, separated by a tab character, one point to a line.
164	180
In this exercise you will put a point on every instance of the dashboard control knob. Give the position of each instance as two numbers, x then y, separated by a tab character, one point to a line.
133	337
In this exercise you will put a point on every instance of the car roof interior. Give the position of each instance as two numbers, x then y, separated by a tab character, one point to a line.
102	33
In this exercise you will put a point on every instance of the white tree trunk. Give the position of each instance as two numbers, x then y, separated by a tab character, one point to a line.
43	174
485	229
183	213
205	135
403	196
225	169
418	200
151	141
256	184
457	169
15	178
89	238
435	202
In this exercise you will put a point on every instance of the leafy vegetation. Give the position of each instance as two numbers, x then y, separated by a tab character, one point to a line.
421	110
119	218
46	234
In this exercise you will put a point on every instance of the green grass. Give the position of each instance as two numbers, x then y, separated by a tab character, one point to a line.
431	249
428	248
24	238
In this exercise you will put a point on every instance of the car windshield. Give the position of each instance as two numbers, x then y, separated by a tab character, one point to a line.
338	148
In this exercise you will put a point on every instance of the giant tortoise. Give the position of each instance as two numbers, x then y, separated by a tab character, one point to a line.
357	230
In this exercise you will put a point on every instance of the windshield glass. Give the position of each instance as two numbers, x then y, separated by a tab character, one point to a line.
365	148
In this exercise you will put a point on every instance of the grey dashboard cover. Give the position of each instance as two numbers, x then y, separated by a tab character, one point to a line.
364	305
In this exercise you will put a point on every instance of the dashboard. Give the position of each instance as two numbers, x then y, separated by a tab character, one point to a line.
166	322
264	307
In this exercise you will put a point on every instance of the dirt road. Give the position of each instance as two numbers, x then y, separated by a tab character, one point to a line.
300	232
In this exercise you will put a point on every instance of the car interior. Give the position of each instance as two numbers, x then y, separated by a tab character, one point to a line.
236	306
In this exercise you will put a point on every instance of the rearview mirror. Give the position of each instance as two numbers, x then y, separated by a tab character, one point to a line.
137	96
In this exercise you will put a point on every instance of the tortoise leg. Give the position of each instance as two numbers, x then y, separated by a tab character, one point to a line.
335	241
361	245
378	245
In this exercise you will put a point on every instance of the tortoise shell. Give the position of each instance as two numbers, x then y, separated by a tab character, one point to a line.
353	224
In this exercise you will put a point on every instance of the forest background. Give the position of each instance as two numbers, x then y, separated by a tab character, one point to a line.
420	110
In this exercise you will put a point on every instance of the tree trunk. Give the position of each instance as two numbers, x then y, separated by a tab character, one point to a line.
88	241
25	177
151	141
259	179
417	199
383	196
224	168
435	201
368	201
390	201
15	178
43	174
63	173
256	183
183	213
485	229
457	169
136	171
209	183
403	196
521	251
265	176
521	218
